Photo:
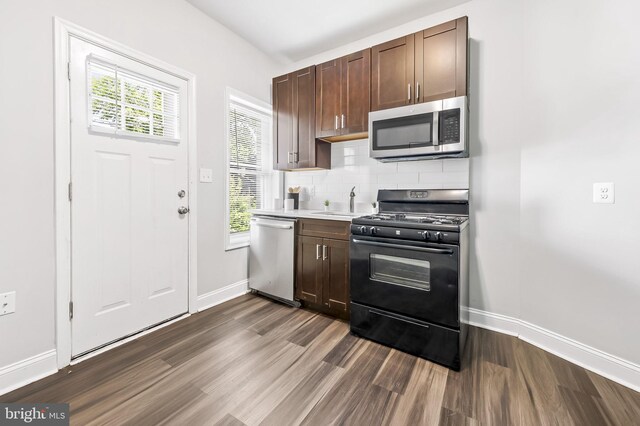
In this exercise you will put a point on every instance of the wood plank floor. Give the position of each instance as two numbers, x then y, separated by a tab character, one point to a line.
252	361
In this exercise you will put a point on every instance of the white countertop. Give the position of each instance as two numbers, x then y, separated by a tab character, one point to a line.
308	214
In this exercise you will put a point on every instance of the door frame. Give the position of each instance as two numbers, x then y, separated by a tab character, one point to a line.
63	31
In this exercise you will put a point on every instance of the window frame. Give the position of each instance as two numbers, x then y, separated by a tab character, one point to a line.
241	239
149	81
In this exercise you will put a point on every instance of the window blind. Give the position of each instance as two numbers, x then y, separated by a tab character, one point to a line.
124	102
248	130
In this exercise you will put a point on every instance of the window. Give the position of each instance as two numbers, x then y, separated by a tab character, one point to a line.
126	103
250	177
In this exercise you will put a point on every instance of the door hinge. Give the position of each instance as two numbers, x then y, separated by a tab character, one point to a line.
70	192
70	310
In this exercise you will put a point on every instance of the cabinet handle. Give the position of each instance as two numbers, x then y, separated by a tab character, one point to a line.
317	251
336	123
417	90
342	121
409	91
324	252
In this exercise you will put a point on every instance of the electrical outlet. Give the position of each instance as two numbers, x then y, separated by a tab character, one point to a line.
604	193
7	303
206	175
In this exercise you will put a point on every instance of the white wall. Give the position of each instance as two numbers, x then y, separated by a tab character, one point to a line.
171	30
352	167
580	274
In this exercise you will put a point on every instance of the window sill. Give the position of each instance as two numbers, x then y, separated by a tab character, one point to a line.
236	246
237	241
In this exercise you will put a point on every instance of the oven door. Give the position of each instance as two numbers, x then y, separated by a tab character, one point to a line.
411	278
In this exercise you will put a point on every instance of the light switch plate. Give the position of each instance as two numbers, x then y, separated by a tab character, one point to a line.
206	175
604	193
7	303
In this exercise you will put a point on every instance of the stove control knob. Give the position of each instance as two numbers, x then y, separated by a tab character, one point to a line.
373	230
439	236
363	229
426	235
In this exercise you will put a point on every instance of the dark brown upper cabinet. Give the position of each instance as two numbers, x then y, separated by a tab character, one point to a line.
282	121
328	99
294	141
421	67
392	73
343	97
441	61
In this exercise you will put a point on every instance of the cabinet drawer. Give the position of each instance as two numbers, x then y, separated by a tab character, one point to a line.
335	229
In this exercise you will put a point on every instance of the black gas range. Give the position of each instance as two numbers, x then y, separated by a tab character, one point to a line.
409	273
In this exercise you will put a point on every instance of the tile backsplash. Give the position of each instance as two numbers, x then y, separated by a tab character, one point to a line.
351	166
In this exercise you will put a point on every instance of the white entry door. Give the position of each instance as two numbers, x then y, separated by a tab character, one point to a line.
129	186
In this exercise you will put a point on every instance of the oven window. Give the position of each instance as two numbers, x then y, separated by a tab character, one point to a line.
403	271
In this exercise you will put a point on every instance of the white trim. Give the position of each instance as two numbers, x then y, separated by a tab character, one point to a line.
221	295
63	30
239	240
236	96
27	371
495	322
610	366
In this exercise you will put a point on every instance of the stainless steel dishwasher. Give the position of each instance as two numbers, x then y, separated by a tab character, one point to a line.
271	257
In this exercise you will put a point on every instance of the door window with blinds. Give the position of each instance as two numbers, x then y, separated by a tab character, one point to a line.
250	173
122	102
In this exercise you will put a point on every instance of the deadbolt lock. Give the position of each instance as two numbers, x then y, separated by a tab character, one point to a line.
181	193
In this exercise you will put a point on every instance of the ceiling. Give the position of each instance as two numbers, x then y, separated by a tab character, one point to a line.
291	30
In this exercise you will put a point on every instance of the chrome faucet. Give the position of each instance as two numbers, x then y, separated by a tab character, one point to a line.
352	196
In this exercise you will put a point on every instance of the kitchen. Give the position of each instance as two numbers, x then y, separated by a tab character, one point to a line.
547	307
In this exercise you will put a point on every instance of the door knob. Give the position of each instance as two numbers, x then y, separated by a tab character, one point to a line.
183	210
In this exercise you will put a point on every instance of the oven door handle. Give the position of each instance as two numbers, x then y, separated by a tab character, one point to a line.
398	318
405	247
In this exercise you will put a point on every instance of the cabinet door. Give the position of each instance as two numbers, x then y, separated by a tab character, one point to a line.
392	73
309	269
304	129
356	85
282	122
328	99
441	61
335	287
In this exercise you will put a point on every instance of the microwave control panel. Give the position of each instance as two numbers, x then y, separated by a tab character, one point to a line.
450	126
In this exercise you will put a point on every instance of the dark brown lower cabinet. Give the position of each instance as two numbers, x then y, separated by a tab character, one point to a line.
335	283
322	267
309	269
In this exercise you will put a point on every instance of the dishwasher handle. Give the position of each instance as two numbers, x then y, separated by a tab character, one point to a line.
271	225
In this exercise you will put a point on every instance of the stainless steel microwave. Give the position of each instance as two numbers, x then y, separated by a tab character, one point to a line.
413	132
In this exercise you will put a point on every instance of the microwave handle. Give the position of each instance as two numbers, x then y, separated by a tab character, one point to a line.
436	128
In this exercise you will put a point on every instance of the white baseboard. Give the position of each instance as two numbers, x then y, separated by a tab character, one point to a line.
216	297
495	322
610	366
28	370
